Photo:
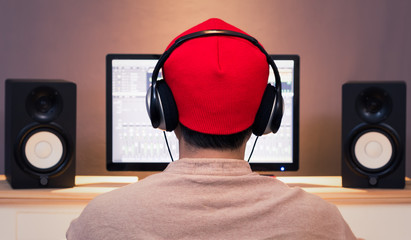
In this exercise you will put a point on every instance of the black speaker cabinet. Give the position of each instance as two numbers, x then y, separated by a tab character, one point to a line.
373	134
40	133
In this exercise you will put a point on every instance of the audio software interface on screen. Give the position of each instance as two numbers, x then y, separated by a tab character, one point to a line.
133	144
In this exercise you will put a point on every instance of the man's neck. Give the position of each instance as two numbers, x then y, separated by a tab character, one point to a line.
188	151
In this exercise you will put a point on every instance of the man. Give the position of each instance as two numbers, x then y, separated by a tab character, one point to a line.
218	83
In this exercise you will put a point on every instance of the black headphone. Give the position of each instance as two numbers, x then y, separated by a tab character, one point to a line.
162	108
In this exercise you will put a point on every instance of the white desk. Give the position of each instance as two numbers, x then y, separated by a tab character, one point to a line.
46	213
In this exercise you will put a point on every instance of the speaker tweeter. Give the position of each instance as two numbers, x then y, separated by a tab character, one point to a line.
44	104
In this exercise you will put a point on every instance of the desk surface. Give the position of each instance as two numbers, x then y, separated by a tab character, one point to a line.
88	187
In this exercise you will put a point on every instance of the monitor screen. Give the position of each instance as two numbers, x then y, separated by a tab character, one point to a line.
134	145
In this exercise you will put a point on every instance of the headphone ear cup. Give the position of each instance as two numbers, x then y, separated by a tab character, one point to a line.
166	106
269	114
277	113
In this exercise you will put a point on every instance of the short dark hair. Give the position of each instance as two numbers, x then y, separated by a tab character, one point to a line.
221	142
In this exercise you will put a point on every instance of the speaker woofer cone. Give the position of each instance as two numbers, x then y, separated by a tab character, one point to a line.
43	149
373	150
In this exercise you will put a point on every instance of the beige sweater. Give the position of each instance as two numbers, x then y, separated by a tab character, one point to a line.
209	199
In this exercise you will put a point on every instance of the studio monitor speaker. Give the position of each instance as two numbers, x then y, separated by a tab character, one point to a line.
40	122
373	134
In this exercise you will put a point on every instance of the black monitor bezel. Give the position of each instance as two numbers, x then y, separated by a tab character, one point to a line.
263	167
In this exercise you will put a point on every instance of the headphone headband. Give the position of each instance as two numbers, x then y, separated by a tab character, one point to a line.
208	33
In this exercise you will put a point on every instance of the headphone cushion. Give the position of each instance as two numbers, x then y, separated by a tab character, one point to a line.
263	116
277	114
168	105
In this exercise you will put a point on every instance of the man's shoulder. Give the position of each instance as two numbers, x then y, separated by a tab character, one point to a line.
298	202
124	193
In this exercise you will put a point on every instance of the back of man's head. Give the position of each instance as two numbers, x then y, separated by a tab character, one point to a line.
218	77
217	81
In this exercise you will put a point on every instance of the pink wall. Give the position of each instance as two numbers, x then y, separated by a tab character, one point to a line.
337	41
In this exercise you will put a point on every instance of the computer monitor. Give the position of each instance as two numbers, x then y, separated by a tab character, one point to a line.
134	145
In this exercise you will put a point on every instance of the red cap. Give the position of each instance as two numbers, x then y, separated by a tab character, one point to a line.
217	81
